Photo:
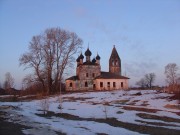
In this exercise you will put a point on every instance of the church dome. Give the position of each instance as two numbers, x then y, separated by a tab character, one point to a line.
88	52
81	56
94	60
78	59
98	57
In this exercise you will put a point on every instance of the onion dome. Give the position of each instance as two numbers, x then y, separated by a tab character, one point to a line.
94	60
88	52
78	59
81	56
98	57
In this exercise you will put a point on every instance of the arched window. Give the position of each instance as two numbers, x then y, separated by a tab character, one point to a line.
70	85
113	62
94	86
114	84
86	84
116	63
101	84
122	85
108	84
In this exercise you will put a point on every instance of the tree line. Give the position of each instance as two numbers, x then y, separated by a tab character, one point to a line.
147	81
8	82
172	78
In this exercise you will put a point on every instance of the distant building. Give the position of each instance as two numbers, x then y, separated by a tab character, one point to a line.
90	77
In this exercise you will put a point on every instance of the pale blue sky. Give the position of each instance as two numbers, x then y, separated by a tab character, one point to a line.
146	32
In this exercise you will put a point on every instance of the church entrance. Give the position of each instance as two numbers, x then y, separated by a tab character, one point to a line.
94	86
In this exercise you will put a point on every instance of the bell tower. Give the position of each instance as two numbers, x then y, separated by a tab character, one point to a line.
115	62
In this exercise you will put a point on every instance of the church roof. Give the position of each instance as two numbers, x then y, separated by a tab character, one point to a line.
88	52
73	78
81	56
94	60
98	57
78	59
108	75
89	63
114	54
104	75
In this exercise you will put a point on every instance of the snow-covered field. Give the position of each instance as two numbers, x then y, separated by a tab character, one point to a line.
114	112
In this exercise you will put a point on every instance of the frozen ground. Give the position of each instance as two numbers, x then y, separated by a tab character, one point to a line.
114	112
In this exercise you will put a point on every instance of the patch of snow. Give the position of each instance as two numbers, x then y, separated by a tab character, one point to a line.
91	105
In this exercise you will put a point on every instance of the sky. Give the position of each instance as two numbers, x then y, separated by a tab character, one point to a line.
146	33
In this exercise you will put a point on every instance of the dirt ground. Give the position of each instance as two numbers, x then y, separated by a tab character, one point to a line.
10	128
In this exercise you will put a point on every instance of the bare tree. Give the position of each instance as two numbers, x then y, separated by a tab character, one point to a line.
147	80
27	81
141	83
49	55
150	78
171	73
34	59
9	81
31	85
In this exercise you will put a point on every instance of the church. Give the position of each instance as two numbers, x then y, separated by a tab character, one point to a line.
90	77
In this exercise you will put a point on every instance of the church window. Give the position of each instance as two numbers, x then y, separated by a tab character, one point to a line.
101	84
70	85
121	84
113	62
87	75
86	84
94	86
114	84
116	63
108	84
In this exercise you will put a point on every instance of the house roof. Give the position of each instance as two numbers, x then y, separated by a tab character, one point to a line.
108	75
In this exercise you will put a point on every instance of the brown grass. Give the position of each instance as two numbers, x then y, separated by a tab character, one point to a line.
120	101
156	123
155	117
74	99
131	108
133	102
177	107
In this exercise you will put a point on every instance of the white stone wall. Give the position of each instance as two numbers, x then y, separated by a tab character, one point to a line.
80	84
105	84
